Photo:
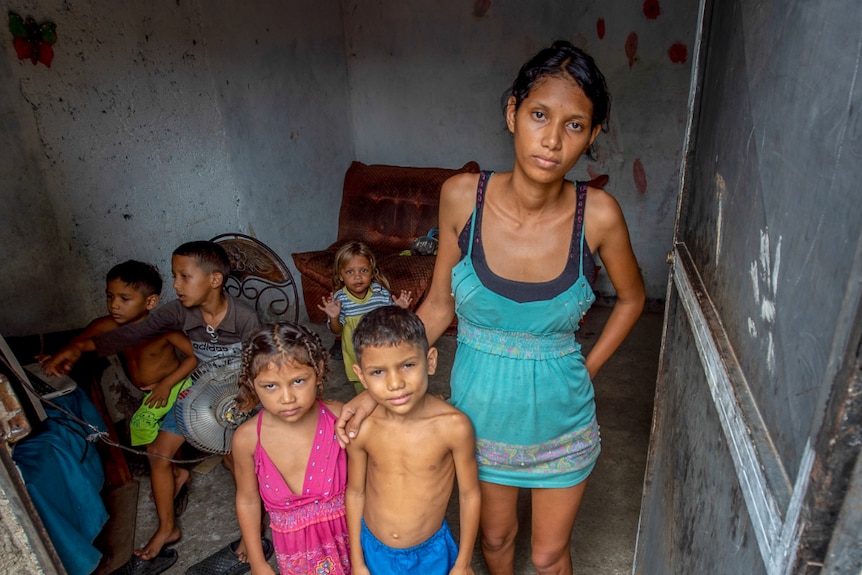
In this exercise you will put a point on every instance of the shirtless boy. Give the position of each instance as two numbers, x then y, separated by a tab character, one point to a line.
153	366
403	464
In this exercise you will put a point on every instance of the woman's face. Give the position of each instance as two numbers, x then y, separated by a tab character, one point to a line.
552	128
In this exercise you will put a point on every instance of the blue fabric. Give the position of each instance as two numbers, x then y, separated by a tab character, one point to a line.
520	362
64	475
169	422
434	556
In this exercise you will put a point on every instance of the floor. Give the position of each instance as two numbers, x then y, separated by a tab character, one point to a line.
603	541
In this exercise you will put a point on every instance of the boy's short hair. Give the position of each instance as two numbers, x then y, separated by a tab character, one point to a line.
143	277
389	326
210	256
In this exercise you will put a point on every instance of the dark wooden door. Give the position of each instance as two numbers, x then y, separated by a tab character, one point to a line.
753	464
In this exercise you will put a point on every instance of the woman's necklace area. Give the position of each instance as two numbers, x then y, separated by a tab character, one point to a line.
213	333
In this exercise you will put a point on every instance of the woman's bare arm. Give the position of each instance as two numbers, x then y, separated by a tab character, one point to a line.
609	236
457	198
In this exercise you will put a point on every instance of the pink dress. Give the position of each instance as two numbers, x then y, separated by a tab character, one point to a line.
309	530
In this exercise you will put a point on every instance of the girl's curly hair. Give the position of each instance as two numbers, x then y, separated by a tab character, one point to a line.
276	344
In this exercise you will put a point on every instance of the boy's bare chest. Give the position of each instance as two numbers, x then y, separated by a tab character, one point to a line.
149	361
152	350
408	451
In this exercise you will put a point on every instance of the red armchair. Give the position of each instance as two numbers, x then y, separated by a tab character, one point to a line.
386	207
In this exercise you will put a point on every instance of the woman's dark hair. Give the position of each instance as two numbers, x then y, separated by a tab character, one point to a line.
564	60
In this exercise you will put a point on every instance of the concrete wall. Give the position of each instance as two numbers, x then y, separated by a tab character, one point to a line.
427	80
159	123
162	122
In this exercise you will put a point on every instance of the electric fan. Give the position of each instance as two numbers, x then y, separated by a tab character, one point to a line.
207	412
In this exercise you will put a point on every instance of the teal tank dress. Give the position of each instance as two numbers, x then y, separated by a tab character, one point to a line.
518	372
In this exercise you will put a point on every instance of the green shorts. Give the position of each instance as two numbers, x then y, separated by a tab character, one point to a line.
144	426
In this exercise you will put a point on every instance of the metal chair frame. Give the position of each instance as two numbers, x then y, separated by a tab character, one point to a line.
259	276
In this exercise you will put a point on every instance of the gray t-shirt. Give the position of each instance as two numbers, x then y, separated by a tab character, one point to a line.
226	340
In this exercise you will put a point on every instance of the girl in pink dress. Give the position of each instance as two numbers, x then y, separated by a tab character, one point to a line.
287	455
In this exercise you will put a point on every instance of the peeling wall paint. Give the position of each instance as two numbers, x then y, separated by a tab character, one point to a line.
720	193
158	124
764	282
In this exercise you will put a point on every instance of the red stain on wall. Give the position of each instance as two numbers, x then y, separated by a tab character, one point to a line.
639	176
631	48
600	181
593	172
651	9
481	7
600	28
678	53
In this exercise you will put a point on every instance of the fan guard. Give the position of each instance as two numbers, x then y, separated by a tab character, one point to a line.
207	412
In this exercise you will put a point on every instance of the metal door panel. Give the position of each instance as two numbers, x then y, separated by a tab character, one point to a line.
758	413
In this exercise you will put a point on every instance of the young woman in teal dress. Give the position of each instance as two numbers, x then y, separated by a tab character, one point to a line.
514	257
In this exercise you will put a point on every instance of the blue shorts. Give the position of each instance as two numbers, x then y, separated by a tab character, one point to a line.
169	423
434	556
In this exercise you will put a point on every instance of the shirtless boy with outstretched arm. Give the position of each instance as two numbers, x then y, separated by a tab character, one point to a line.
132	290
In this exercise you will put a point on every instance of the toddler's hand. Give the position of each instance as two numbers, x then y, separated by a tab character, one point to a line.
404	299
330	307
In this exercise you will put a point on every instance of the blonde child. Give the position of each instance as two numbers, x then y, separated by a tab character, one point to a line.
360	288
288	455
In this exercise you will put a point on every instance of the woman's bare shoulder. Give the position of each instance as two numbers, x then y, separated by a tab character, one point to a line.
463	180
457	198
602	208
460	188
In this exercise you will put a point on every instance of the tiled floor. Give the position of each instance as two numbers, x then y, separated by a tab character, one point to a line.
604	537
